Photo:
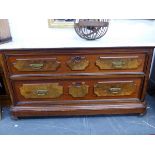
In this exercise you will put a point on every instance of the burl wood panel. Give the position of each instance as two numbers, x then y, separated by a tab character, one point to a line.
75	63
44	90
36	64
128	62
77	89
114	88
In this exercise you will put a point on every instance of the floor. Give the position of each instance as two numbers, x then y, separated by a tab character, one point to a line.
96	125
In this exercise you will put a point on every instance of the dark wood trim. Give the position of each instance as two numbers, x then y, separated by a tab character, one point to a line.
6	76
78	102
22	50
77	75
5	99
68	110
147	73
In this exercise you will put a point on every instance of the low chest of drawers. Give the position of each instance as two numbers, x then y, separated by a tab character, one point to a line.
77	81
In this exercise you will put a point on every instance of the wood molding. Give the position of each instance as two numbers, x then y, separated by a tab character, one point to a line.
68	110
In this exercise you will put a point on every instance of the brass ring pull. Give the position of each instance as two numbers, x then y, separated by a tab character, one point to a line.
115	90
36	66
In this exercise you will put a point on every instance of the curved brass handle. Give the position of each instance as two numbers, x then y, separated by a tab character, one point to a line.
118	64
37	66
115	90
41	92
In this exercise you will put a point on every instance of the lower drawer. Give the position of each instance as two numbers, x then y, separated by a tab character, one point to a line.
55	91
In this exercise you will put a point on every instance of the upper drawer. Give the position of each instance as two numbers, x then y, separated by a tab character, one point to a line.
75	63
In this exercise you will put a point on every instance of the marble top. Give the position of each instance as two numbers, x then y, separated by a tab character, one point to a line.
28	33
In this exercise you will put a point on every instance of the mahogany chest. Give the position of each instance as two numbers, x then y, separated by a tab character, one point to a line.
77	81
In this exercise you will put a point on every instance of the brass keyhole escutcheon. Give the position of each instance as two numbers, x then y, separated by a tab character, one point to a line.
78	89
78	63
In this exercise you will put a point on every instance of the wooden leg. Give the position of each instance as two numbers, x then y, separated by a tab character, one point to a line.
142	114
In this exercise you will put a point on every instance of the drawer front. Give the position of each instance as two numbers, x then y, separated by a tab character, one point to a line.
45	90
114	88
76	63
36	64
87	89
128	62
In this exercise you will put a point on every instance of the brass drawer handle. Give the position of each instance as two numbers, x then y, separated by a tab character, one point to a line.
115	90
118	64
41	92
36	66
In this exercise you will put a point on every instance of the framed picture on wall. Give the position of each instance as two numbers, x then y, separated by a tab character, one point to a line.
60	23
